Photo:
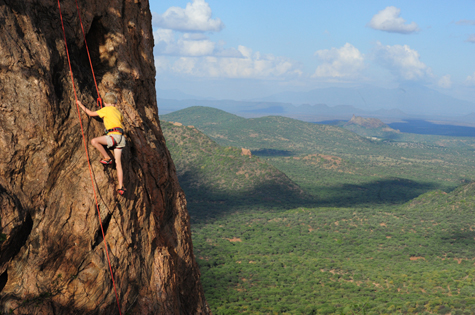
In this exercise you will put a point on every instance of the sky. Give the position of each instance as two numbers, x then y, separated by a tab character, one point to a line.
245	49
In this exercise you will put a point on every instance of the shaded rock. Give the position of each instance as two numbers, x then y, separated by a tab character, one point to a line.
53	259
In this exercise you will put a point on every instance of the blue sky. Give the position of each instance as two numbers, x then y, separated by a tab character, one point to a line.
241	49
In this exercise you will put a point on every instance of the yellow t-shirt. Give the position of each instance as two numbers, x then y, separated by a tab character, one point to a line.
112	118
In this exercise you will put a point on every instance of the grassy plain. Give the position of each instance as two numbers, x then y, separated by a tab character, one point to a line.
326	221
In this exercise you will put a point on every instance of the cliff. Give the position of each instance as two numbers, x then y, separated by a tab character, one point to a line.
53	260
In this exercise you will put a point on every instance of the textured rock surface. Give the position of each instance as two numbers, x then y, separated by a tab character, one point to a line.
53	261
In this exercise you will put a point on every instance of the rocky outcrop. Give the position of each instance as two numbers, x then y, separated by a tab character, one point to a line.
246	152
370	123
366	122
53	259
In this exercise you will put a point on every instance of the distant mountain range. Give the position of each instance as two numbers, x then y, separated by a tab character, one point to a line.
412	99
406	102
318	112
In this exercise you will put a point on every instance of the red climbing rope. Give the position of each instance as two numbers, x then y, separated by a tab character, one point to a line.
87	155
99	99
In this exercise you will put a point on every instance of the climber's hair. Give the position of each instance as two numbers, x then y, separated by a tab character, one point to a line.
110	98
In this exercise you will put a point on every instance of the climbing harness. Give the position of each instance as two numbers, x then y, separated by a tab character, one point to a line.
114	142
84	141
116	129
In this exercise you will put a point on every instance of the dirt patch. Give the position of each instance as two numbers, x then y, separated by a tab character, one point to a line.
234	239
416	258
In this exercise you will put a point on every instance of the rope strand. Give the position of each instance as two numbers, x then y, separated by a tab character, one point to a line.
99	99
88	160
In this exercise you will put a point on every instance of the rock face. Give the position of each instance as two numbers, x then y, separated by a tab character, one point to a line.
53	259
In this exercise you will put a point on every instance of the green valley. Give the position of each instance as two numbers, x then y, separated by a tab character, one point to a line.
218	179
322	220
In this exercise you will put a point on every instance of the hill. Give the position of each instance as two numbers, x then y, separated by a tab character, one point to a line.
338	166
217	179
409	101
371	123
306	112
280	135
370	127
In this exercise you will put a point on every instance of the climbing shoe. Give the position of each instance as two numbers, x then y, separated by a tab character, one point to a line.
121	191
106	162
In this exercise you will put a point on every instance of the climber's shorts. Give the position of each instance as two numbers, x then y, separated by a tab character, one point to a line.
115	141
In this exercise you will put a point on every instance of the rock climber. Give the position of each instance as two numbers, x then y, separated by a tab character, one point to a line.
114	138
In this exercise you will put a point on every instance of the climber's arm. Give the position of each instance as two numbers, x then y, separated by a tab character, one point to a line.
87	111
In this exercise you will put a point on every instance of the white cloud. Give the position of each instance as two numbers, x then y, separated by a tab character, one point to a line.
161	64
186	45
402	61
445	82
180	32
164	36
203	47
346	61
471	38
251	65
194	36
167	42
231	52
465	22
182	48
470	79
196	17
388	20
